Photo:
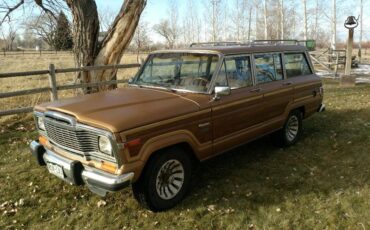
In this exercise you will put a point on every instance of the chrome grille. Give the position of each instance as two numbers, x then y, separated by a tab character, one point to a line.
78	141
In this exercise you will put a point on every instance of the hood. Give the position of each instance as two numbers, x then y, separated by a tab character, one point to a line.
123	109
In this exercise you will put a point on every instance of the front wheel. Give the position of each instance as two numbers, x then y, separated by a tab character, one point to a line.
165	181
291	131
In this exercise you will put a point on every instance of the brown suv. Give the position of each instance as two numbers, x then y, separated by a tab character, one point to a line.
183	106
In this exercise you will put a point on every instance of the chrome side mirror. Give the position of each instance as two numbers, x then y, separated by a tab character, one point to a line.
221	91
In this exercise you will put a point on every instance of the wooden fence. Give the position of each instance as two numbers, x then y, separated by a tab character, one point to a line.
6	53
53	88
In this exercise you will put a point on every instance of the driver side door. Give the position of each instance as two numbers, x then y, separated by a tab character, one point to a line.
233	115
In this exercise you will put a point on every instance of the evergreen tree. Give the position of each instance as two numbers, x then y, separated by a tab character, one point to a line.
63	36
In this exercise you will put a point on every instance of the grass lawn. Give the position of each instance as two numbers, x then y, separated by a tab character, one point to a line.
323	182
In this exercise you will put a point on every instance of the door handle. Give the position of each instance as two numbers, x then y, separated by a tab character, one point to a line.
288	83
255	90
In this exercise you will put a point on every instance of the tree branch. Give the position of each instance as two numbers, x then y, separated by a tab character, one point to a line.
47	10
10	10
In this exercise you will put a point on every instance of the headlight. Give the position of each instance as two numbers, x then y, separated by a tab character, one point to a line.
40	123
104	145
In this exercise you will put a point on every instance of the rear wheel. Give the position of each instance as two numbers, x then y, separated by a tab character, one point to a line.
291	131
165	181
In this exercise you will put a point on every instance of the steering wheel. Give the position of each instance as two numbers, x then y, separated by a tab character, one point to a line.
198	81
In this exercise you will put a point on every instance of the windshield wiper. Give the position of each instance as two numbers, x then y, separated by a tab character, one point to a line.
156	86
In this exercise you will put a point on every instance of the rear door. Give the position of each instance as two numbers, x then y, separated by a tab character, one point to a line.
306	83
232	115
277	90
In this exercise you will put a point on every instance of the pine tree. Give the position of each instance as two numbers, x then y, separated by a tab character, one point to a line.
63	36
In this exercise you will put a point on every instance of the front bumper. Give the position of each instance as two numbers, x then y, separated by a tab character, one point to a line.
76	173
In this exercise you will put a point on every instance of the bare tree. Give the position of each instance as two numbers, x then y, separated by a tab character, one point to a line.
316	26
212	18
141	38
169	28
334	25
164	29
12	35
265	17
239	16
361	29
282	19
250	22
305	28
192	23
106	18
43	26
88	51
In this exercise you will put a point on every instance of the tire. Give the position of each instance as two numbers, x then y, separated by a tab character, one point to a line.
291	131
165	181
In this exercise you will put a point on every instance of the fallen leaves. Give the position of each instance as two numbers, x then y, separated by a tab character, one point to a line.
10	208
101	203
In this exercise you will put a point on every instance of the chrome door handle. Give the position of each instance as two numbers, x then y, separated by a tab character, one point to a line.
255	90
288	83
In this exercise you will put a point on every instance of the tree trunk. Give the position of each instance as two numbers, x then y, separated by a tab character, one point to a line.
118	38
361	31
282	19
265	17
316	19
250	24
334	26
86	32
305	19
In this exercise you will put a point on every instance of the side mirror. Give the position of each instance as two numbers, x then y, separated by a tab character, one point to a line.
130	80
221	91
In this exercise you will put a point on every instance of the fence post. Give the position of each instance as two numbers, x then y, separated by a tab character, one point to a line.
53	83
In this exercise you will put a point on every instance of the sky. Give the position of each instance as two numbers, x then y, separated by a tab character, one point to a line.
156	10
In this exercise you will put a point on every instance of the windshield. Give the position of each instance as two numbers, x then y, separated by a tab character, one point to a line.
179	71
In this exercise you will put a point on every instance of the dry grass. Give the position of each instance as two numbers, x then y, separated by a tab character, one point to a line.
20	63
322	182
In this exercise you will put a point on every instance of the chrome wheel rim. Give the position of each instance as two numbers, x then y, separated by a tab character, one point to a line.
292	127
170	179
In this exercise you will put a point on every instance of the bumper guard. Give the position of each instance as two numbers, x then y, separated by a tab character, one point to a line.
74	172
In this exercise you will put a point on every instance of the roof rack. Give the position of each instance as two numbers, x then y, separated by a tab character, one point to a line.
310	44
276	42
207	44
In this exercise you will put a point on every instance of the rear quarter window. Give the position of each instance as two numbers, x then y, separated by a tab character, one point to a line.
296	65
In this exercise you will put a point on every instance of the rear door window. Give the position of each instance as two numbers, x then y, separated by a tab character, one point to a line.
296	65
235	72
268	67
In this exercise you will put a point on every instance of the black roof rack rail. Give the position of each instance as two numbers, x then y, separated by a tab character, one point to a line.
276	42
205	44
310	44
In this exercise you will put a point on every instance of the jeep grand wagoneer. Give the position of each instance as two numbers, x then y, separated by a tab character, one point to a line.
182	106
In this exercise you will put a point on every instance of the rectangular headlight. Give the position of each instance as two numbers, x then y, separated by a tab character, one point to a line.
105	146
40	123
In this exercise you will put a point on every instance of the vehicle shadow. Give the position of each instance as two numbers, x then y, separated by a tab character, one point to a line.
332	155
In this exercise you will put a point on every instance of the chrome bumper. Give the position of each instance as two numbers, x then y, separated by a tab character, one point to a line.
74	172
